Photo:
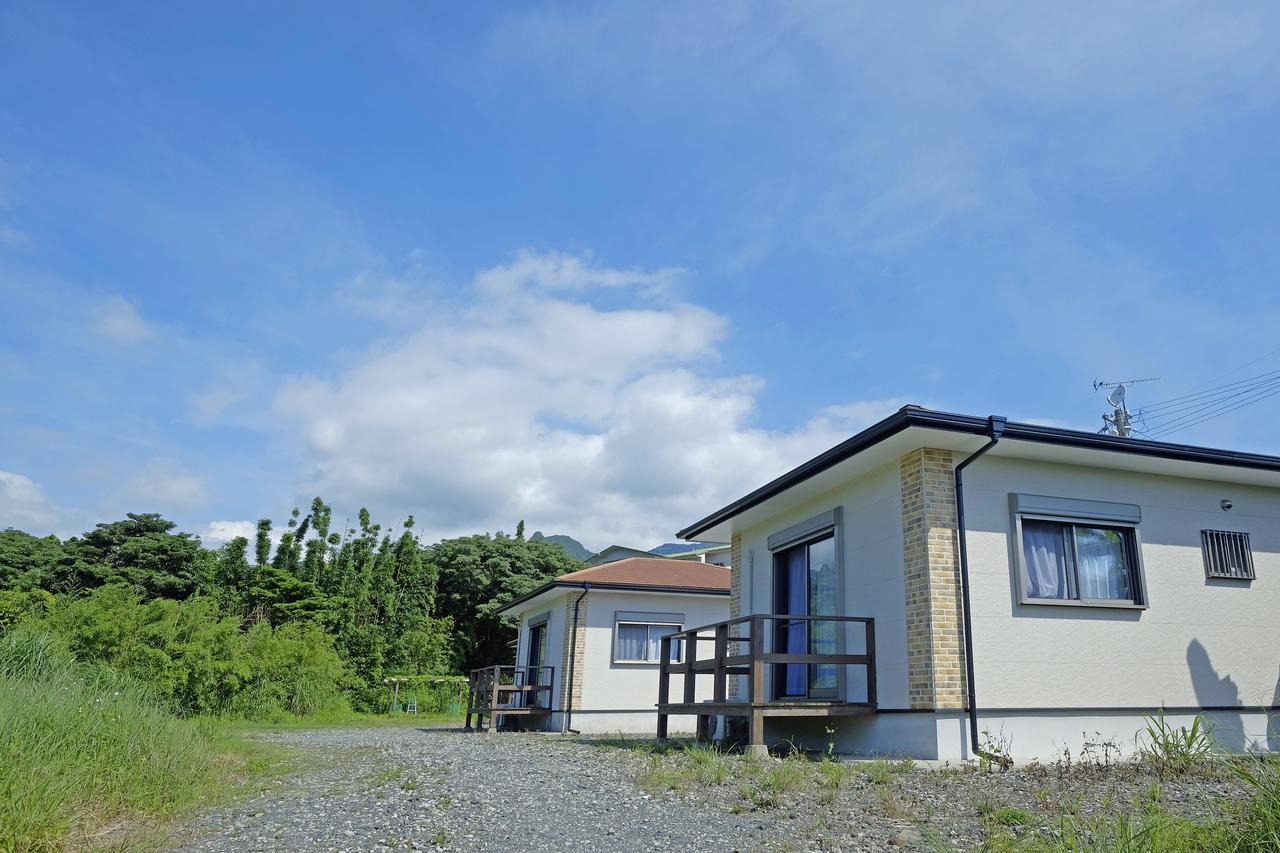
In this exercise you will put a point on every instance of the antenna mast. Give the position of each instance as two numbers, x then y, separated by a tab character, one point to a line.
1119	421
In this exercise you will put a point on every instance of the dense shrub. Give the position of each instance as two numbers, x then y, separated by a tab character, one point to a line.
200	661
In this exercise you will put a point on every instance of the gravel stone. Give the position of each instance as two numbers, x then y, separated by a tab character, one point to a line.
407	788
435	789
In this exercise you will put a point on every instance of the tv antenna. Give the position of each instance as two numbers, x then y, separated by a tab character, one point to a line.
1119	422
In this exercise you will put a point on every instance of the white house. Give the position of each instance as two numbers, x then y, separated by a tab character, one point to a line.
1025	586
593	637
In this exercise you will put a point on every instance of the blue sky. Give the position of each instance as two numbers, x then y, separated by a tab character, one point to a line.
603	266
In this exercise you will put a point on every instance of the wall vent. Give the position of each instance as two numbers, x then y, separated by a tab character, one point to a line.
1227	554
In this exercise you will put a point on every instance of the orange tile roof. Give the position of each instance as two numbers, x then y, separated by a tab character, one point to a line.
653	571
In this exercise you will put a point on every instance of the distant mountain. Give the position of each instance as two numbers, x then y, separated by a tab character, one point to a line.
679	547
568	543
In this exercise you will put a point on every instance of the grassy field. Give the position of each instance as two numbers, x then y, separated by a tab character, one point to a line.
89	759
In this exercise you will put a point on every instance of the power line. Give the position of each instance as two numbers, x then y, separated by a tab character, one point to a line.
1170	429
1163	404
1218	398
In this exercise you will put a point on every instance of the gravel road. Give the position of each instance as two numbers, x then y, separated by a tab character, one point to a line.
425	789
407	788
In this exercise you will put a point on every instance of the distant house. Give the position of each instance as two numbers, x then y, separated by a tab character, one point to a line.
614	553
939	583
719	555
702	552
588	641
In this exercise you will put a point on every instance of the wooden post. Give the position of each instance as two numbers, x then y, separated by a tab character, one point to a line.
690	656
755	734
471	693
871	663
493	705
756	692
664	684
755	737
719	689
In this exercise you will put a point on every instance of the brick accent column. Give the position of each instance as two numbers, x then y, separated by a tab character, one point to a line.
575	644
737	686
930	557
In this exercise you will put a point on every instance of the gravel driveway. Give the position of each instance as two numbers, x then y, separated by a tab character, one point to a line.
410	788
373	789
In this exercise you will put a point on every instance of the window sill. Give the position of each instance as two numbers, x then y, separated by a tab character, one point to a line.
641	662
1093	603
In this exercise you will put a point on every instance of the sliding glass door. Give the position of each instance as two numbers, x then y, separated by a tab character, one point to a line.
804	584
536	658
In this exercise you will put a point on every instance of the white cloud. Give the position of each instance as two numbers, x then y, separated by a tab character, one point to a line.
606	423
219	532
208	406
23	505
166	486
118	320
552	271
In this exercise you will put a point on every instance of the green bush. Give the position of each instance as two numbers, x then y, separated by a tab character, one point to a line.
82	747
201	661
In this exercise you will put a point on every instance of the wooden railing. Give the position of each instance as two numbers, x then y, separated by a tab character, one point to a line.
500	690
748	655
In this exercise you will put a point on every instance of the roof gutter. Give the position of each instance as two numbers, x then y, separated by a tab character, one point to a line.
995	429
623	587
915	416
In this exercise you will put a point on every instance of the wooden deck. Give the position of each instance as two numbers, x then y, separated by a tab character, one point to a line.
739	649
508	691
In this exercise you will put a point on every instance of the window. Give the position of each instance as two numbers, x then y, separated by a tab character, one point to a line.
639	642
1068	561
1227	554
1072	551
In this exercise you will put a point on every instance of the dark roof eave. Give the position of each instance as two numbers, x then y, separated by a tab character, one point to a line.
912	416
626	587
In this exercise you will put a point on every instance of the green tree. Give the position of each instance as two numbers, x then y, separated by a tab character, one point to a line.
262	548
476	576
28	562
142	551
233	576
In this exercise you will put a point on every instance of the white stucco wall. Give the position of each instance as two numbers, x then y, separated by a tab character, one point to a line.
553	606
1199	643
619	696
873	582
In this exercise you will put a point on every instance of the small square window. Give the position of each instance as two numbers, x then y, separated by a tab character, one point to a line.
1227	555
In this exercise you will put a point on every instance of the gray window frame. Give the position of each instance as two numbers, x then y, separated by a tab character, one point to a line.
626	617
1081	512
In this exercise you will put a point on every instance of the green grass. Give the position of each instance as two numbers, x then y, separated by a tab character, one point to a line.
342	720
89	758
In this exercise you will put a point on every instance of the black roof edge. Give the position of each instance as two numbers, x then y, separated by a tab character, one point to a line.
628	587
916	416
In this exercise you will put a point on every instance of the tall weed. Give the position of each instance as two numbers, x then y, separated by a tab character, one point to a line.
84	751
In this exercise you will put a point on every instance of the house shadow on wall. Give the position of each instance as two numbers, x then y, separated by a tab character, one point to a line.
1221	692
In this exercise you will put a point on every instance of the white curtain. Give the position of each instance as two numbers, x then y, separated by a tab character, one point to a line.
656	633
633	642
1103	569
1045	556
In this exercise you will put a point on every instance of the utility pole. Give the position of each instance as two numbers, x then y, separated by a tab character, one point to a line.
1119	422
